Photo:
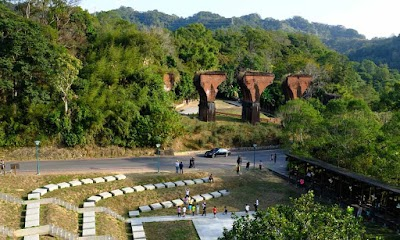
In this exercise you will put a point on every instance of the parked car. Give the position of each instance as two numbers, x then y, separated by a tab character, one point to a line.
217	151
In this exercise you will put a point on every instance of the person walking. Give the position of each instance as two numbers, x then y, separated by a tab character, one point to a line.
179	211
274	158
247	165
238	169
225	210
197	209
187	192
177	166
181	167
204	209
247	208
215	211
261	164
239	160
184	211
256	205
193	209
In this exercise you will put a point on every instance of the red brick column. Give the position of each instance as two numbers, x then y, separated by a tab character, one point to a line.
252	85
207	85
295	85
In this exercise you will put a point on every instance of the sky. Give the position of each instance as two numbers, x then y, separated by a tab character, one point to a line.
372	18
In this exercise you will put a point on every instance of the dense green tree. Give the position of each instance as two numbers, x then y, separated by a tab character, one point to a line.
305	219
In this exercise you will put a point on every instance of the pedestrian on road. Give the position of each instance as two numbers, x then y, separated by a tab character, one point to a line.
247	208
179	211
190	208
261	164
181	167
238	169
215	211
225	210
256	205
197	209
275	158
239	160
272	157
204	209
247	165
184	211
177	166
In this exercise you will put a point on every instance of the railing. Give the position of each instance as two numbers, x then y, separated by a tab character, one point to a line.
9	198
6	231
62	233
65	204
111	213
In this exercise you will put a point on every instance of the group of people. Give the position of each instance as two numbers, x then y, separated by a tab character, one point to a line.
192	208
179	165
247	207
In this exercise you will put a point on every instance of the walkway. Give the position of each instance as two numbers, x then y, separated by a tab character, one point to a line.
207	227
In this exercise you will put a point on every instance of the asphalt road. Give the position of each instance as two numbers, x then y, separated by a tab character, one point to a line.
148	164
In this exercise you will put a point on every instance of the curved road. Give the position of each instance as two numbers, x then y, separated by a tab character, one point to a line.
149	164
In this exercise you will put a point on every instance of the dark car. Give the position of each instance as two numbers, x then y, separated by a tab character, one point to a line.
217	151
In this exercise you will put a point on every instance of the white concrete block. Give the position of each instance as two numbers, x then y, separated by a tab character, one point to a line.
87	181
134	213
109	178
179	183
159	185
32	217
88	232
177	202
170	184
198	198
41	191
120	177
188	182
139	235
224	192
32	196
32	237
88	220
64	185
167	204
93	199
32	205
51	187
216	194
89	204
75	183
89	214
128	190
98	180
32	211
89	225
206	196
149	187
198	181
137	228
139	188
105	195
206	180
156	206
144	209
117	192
33	223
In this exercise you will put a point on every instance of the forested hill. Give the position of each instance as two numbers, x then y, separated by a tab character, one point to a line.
337	37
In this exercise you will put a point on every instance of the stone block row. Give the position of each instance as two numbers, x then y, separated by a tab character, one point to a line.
32	215
138	231
37	193
32	237
179	202
89	224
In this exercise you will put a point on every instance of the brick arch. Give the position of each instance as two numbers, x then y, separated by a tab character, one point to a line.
296	85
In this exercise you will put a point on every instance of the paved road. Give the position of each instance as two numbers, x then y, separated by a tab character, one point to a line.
150	164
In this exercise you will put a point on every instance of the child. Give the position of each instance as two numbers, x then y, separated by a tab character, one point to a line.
184	211
215	211
193	209
179	211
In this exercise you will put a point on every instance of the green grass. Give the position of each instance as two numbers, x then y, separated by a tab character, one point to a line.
177	230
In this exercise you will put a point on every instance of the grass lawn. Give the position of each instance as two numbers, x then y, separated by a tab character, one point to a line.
10	214
177	230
